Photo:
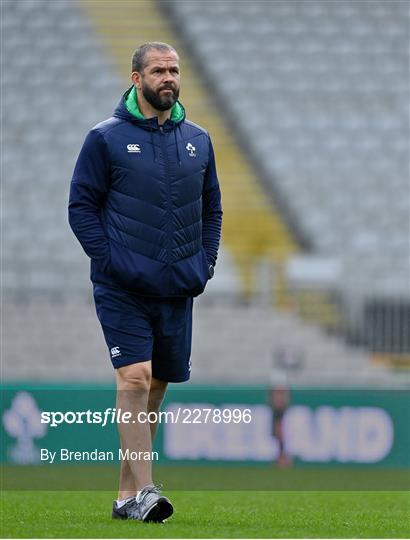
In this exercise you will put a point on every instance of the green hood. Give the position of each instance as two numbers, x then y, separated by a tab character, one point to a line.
131	103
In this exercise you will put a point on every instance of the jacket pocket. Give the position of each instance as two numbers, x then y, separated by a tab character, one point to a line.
138	273
190	275
117	265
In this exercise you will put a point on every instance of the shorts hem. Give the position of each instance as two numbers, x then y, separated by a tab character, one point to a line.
128	362
172	379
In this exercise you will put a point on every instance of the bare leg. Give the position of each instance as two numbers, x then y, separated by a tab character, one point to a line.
133	384
156	395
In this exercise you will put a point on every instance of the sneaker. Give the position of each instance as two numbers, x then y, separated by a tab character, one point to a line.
129	510
153	506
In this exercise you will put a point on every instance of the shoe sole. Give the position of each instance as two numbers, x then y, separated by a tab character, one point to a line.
161	510
116	515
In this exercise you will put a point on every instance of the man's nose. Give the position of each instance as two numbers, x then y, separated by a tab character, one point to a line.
168	77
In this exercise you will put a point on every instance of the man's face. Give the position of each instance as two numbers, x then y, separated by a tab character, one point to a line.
160	79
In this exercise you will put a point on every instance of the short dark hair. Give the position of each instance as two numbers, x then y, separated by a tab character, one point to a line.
138	58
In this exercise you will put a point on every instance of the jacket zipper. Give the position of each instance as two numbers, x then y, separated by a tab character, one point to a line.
169	209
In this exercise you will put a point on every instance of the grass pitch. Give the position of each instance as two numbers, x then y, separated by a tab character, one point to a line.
207	514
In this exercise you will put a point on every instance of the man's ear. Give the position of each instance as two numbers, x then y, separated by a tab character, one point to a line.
136	79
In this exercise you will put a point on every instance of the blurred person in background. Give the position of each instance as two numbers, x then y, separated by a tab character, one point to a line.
145	205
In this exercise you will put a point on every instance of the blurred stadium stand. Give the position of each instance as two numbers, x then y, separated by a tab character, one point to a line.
317	93
57	82
314	181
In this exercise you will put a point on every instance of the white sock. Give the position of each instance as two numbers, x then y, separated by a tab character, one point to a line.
121	502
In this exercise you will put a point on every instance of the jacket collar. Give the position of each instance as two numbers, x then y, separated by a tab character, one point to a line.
128	109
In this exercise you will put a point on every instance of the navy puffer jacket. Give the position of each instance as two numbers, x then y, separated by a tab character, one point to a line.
145	203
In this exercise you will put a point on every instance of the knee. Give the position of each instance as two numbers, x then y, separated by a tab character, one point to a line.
135	377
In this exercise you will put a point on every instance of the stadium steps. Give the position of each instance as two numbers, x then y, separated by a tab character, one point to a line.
317	307
253	229
398	362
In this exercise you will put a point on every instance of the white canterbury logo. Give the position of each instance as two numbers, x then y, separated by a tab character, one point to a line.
134	148
115	351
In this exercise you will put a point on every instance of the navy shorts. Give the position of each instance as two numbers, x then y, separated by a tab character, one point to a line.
139	328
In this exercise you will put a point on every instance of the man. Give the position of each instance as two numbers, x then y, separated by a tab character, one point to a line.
145	205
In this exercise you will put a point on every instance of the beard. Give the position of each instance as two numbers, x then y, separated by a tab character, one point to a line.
158	101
